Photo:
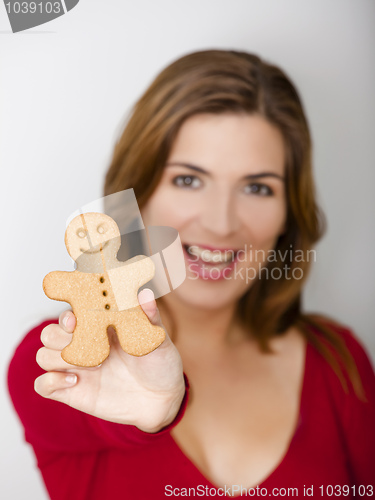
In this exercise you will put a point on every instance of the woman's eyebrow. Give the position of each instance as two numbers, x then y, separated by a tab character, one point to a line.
202	171
264	174
188	165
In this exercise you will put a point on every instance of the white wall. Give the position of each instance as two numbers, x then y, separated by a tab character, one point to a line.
65	89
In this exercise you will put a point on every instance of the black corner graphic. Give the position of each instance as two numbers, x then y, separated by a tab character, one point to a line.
26	14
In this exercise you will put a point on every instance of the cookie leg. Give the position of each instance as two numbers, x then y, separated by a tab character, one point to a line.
137	336
89	346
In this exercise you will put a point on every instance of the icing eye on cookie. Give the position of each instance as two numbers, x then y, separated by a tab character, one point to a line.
81	233
101	228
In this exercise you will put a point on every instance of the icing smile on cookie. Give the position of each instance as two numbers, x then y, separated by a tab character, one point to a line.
101	247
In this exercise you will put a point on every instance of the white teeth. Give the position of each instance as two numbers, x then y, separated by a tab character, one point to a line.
215	256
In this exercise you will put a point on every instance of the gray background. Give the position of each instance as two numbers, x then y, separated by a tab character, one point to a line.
66	87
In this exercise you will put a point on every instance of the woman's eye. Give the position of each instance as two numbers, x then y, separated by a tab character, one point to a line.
187	181
260	189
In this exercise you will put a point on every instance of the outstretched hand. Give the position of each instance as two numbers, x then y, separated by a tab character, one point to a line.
143	391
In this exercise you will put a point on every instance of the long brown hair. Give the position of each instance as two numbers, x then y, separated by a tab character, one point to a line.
218	81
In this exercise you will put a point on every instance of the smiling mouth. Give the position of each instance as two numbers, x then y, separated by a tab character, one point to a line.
211	257
95	251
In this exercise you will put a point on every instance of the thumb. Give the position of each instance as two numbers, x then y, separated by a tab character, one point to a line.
146	299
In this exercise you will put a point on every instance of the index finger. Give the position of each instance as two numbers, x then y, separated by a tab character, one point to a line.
54	337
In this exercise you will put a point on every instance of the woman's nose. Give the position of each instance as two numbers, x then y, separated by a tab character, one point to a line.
219	214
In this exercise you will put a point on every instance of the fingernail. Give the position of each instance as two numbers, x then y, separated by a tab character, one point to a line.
71	379
147	295
68	322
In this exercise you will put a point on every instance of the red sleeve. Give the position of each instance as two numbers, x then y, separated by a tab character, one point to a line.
359	418
56	427
355	418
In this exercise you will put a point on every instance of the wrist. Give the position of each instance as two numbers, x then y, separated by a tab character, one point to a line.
172	412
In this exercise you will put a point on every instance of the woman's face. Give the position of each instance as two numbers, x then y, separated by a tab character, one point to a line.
223	189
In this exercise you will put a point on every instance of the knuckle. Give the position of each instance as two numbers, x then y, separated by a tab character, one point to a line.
43	385
37	385
46	334
41	357
50	385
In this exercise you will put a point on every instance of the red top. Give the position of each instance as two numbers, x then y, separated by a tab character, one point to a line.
85	458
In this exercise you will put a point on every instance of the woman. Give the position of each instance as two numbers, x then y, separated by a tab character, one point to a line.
219	148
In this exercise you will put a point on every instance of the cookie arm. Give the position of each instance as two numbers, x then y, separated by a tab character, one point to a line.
145	269
56	284
128	278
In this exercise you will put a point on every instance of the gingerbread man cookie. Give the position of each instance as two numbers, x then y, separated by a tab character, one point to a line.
102	292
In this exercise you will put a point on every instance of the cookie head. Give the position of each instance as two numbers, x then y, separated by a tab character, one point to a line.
90	234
